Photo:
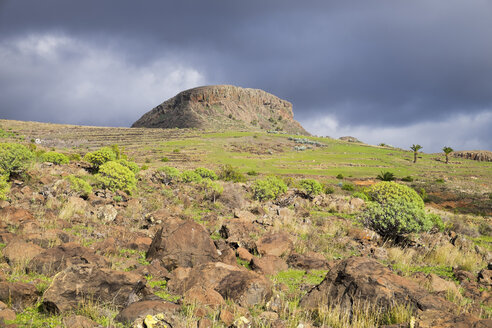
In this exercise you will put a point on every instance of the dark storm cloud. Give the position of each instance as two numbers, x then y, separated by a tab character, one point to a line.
364	64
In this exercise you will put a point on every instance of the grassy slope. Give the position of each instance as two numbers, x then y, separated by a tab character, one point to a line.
265	153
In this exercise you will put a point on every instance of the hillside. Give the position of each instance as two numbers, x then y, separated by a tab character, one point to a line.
187	228
223	107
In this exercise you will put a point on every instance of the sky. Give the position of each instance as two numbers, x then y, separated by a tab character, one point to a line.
385	71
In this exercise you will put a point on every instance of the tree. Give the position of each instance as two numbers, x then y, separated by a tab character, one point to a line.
415	149
447	150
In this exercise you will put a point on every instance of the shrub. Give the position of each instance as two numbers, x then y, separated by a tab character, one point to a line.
129	164
213	189
407	179
55	158
348	187
79	185
269	188
311	187
164	159
14	158
339	176
168	174
360	195
206	173
386	176
114	176
396	210
252	173
384	192
74	157
230	173
191	176
329	189
4	187
100	156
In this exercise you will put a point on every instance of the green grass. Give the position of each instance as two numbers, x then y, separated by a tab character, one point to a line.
484	242
293	278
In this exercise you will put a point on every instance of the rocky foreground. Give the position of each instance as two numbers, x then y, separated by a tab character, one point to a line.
169	257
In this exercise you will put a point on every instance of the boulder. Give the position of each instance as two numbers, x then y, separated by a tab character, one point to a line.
58	258
79	321
268	264
14	217
19	252
142	309
276	244
232	282
364	280
78	283
485	277
183	244
309	261
18	294
243	254
203	296
238	233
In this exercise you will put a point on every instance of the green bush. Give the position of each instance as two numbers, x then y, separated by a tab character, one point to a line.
252	173
191	176
206	173
384	192
14	158
55	158
79	185
74	157
213	189
311	187
329	189
114	176
269	188
4	187
230	173
129	164
348	187
168	175
360	195
339	176
396	210
100	156
164	159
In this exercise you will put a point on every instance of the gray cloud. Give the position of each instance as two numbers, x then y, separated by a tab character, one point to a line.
387	65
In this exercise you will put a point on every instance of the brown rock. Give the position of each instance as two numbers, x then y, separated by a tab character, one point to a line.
310	261
238	233
366	280
143	308
7	315
58	258
243	254
80	282
227	317
20	252
18	294
205	323
437	284
485	277
141	243
268	264
185	244
276	244
107	246
14	217
438	319
251	109
203	296
78	321
226	254
232	282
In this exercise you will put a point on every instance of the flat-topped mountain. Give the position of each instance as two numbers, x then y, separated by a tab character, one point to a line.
223	107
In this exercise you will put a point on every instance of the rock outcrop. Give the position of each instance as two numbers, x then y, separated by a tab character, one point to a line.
223	107
476	155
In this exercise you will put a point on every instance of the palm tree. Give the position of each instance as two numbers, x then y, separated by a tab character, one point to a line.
447	150
415	149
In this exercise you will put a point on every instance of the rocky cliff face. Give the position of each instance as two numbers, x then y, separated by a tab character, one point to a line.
477	155
223	107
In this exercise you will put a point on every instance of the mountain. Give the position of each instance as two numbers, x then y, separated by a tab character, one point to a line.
223	107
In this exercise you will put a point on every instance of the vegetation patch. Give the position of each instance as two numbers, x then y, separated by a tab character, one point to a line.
269	188
114	176
55	158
